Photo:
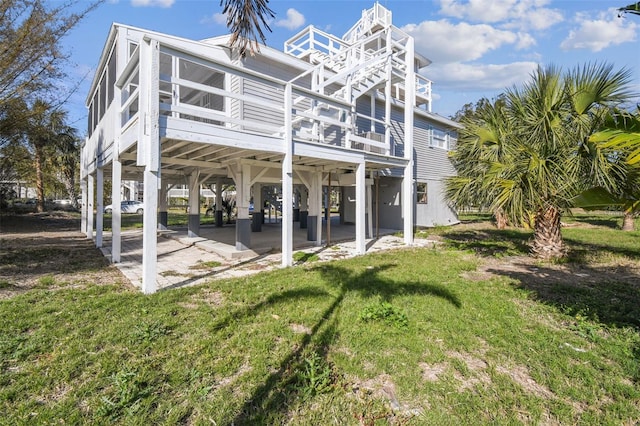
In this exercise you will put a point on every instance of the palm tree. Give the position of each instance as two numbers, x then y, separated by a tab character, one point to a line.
619	142
479	145
545	126
67	161
633	8
44	128
245	19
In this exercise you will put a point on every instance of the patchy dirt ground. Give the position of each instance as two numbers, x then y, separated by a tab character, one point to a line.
48	250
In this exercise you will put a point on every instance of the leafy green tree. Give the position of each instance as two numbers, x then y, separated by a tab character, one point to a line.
543	137
30	52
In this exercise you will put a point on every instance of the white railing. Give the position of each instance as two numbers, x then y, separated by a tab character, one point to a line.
316	117
377	15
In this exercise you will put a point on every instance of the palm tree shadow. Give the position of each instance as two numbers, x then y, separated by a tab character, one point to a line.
269	398
607	295
491	242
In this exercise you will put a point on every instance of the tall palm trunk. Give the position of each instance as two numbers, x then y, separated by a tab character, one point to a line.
38	160
628	222
501	219
547	238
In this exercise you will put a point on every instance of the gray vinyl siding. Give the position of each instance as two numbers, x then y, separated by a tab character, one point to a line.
430	162
436	212
258	113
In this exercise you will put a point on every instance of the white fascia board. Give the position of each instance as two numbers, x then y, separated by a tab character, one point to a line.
326	153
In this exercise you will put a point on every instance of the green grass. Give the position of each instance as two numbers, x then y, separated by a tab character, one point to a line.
415	336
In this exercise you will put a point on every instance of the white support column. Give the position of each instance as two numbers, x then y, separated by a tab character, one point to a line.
90	189
218	212
116	214
408	190
163	206
242	177
287	183
317	179
193	228
149	156
83	207
149	232
369	212
99	206
360	209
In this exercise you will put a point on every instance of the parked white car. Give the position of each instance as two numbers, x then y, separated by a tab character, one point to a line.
127	207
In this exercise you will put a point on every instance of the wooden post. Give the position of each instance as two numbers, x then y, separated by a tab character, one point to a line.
408	190
99	206
287	182
90	189
360	208
116	214
193	228
329	209
149	155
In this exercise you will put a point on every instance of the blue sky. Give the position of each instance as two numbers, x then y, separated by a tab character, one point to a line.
478	47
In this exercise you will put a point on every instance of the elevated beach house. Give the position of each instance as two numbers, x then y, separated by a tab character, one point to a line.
351	113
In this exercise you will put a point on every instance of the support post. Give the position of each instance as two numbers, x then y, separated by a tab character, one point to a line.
193	229
243	221
116	214
369	212
304	206
218	209
149	157
287	182
408	189
90	196
84	206
256	217
163	206
360	209
99	206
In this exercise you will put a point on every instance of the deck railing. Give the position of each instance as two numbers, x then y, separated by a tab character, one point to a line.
212	94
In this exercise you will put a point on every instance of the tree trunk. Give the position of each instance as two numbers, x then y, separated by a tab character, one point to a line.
628	222
501	219
39	179
547	238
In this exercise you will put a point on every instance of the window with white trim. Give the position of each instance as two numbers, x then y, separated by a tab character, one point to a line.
421	193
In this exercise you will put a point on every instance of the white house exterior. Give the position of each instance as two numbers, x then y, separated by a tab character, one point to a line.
327	111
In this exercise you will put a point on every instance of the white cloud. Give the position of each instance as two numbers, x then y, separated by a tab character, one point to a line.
600	33
444	42
478	77
294	20
216	18
525	40
515	14
152	3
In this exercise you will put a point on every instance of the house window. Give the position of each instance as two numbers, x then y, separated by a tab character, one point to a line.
439	138
421	193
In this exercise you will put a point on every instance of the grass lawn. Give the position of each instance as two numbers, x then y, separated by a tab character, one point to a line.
468	333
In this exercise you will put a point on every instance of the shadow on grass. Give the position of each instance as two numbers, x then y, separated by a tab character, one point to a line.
490	242
283	387
612	222
580	250
608	295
